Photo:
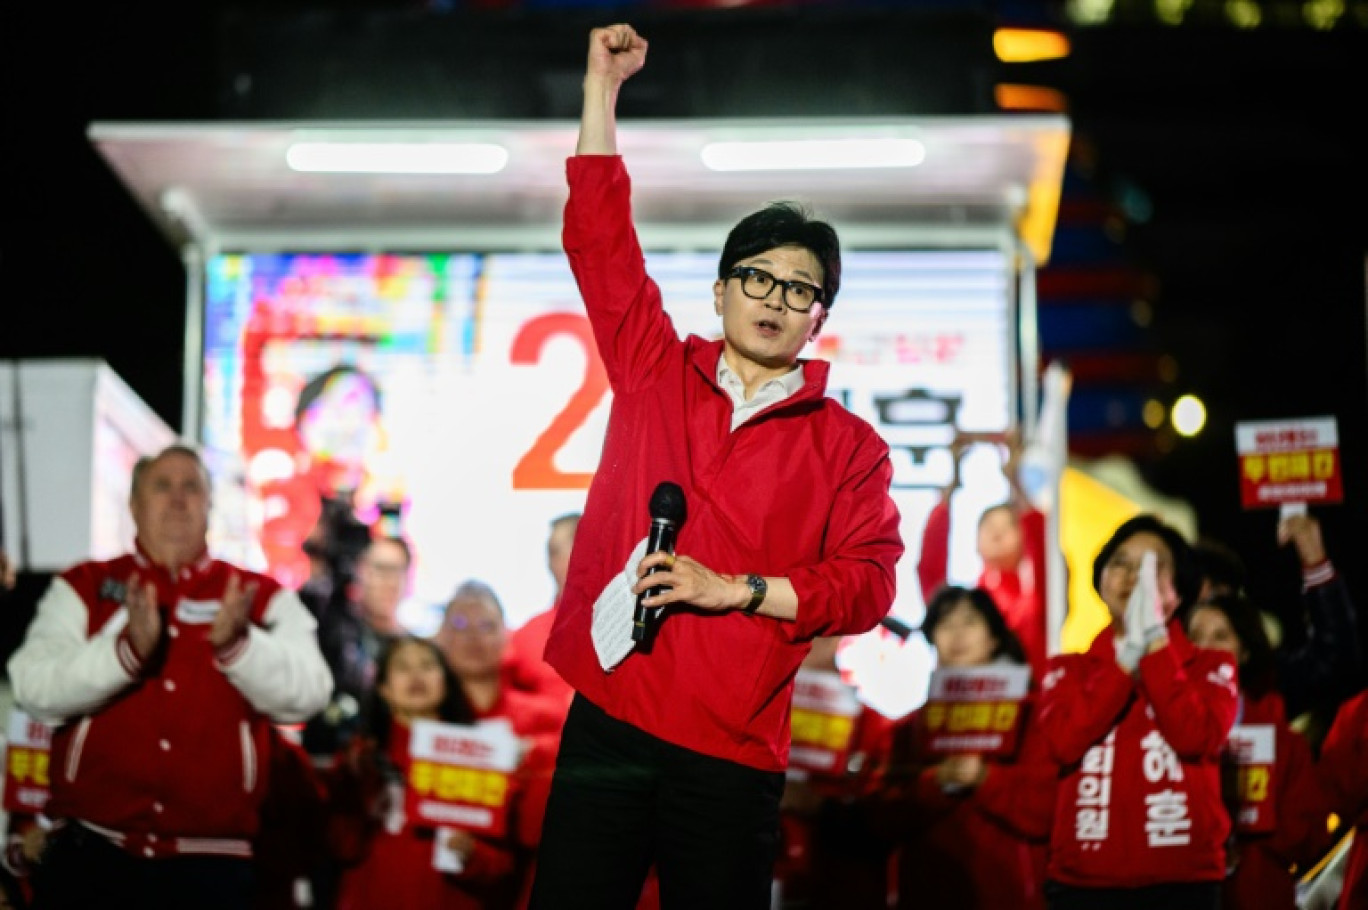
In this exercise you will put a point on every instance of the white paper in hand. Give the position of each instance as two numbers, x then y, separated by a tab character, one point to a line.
611	629
445	859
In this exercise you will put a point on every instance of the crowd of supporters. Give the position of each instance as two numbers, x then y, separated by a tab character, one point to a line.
1167	764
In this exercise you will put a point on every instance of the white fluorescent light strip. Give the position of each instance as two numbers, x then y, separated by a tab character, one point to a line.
397	157
813	154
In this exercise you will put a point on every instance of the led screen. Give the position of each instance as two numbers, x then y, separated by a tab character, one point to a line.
467	405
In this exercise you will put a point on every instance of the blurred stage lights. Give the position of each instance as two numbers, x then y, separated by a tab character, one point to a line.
1172	12
1029	45
1243	13
812	154
1322	15
397	157
1154	413
1015	97
1089	12
1188	415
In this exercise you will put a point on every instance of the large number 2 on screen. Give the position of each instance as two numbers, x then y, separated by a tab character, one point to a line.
537	470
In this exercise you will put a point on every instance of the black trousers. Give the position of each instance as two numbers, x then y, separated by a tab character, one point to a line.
1182	896
622	799
81	869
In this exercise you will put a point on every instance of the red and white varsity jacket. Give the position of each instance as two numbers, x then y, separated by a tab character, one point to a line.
165	756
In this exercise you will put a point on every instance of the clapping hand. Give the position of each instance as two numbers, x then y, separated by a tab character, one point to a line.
1145	612
145	622
230	622
1155	603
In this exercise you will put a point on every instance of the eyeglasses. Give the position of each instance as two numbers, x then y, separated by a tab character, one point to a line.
476	627
757	284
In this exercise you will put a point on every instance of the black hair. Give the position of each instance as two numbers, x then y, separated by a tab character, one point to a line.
981	602
1186	579
314	388
785	224
1258	669
377	719
1220	565
399	542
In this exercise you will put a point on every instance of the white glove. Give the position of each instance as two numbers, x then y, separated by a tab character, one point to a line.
1128	653
1151	609
1144	616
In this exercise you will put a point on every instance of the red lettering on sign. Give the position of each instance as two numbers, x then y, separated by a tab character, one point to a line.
453	747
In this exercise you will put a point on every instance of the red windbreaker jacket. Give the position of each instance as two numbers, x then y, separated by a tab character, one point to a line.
800	490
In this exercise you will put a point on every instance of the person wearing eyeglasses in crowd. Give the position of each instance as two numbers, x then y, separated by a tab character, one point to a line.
675	754
474	640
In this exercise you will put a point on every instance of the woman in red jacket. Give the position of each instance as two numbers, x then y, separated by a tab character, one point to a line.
1138	725
1279	808
390	859
969	830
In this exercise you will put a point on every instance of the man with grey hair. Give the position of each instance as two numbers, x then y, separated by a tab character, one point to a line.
163	670
525	669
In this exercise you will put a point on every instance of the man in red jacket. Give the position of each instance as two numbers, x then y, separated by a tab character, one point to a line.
164	669
676	755
524	667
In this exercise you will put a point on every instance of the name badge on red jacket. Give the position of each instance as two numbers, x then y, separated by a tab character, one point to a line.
1252	748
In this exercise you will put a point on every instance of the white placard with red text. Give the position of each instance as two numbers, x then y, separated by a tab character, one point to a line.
825	708
975	709
461	776
1289	461
1253	749
28	746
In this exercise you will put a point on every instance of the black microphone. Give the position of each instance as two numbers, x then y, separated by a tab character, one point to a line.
897	627
667	514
